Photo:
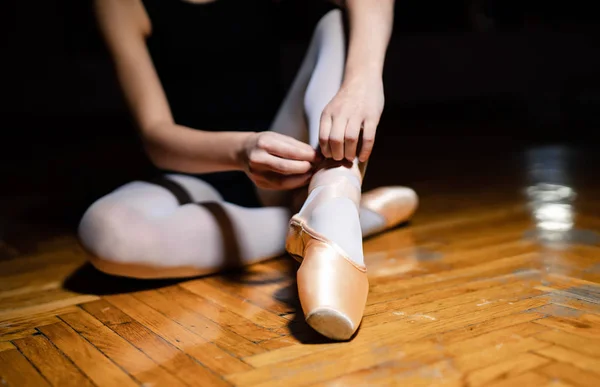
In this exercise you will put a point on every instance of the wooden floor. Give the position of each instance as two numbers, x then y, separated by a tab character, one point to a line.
495	282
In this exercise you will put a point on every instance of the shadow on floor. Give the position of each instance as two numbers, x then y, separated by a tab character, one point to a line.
89	280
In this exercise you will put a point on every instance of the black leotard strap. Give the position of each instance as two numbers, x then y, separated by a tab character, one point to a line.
180	193
233	256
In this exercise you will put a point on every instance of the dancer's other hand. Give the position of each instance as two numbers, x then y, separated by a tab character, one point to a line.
353	114
276	161
351	118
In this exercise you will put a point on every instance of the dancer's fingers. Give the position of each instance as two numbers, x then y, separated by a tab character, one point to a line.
351	137
336	137
262	161
289	148
324	132
367	139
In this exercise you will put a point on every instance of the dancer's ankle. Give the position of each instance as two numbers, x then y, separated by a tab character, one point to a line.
331	171
334	180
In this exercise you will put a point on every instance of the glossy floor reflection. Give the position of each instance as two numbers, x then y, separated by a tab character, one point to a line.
495	282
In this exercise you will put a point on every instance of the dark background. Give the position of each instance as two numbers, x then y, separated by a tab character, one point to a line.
455	89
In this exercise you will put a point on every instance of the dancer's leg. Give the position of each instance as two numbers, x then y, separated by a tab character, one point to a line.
141	230
316	83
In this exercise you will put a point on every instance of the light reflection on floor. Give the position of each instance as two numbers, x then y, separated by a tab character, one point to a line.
551	199
552	210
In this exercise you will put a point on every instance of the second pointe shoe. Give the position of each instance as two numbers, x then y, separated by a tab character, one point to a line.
395	204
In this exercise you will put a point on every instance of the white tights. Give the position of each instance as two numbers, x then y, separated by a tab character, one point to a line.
142	224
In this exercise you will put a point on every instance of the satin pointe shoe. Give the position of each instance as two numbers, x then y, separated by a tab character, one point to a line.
332	288
395	204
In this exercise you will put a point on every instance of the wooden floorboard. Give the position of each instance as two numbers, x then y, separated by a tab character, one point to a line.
472	292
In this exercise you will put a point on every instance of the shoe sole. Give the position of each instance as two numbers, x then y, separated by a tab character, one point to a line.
331	323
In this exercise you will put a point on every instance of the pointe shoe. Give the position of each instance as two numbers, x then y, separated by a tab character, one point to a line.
395	204
332	288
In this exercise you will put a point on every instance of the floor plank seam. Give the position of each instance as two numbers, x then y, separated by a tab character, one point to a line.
240	299
33	365
198	361
64	354
100	351
507	276
196	334
127	341
220	306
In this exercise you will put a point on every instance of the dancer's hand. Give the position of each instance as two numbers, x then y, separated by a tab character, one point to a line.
351	117
275	161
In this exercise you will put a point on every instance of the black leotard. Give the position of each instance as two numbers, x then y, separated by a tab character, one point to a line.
218	63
